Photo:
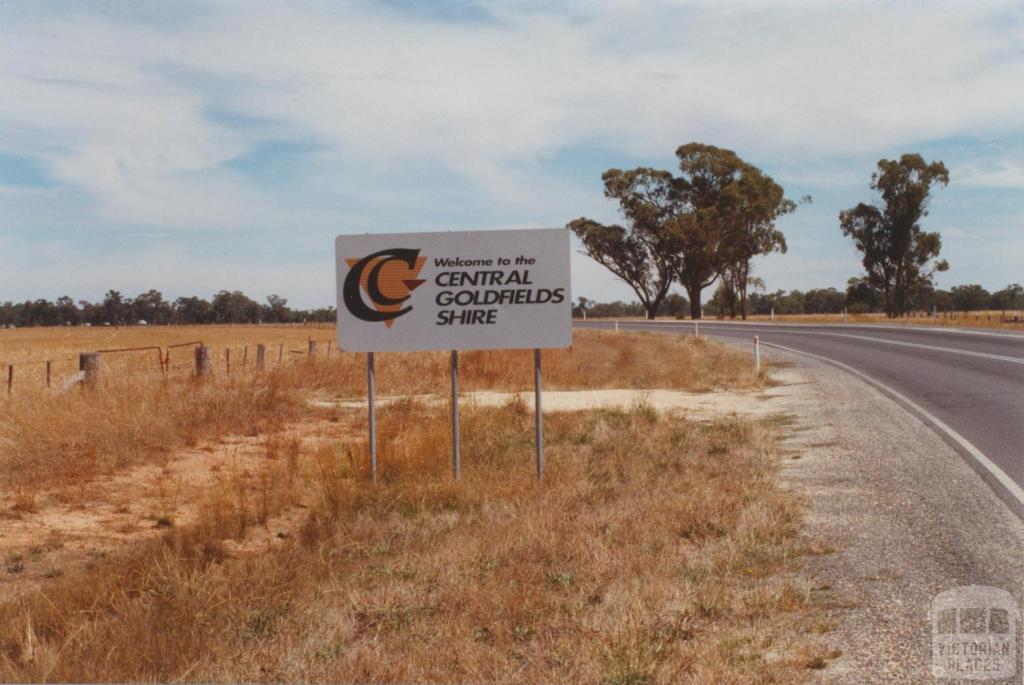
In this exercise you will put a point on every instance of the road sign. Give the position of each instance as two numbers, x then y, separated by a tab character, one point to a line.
454	290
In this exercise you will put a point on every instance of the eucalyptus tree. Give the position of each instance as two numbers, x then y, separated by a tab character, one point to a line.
644	250
758	201
709	188
897	253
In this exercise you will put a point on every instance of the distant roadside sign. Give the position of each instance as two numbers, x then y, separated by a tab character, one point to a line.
454	290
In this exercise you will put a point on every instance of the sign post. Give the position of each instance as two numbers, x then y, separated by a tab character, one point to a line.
456	440
538	419
371	385
406	292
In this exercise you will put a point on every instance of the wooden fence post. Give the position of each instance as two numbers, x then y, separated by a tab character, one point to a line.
261	351
49	373
89	365
10	378
245	357
204	365
312	349
227	360
280	354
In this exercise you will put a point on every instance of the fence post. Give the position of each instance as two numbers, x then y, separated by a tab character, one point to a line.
280	354
245	357
227	360
312	349
261	351
10	378
49	373
204	364
89	365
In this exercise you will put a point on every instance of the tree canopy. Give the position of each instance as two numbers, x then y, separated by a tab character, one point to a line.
706	223
896	252
644	252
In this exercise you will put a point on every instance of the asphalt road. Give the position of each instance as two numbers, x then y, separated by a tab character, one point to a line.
971	381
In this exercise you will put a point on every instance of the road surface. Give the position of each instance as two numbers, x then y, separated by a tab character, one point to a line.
966	384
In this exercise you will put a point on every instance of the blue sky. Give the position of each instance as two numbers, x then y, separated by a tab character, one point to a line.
192	147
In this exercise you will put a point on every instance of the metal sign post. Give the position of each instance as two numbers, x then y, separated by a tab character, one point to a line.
371	382
486	290
539	416
456	444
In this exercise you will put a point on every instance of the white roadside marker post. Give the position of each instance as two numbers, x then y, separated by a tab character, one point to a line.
456	443
696	328
371	382
757	354
539	416
616	326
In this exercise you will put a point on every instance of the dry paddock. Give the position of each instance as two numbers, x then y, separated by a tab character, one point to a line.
228	530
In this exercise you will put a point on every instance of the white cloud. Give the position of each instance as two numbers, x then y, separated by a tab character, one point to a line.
119	111
111	107
998	174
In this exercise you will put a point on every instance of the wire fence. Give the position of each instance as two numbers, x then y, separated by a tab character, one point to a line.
151	364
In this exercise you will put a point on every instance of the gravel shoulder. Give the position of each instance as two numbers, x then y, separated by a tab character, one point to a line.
906	515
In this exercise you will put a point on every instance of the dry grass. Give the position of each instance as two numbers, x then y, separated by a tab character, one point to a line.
137	420
597	359
655	551
28	344
979	319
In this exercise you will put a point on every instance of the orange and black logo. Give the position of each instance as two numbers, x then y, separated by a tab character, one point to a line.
387	278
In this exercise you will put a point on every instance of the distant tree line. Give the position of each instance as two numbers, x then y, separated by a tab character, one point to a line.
150	308
674	304
860	297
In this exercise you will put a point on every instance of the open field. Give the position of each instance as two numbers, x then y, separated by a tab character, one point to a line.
235	535
32	344
600	360
1008	320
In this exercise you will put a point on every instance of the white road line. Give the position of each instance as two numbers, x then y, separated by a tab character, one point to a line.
953	350
911	328
935	348
1011	486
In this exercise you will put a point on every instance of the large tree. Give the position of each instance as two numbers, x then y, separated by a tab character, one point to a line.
644	252
756	202
709	187
897	253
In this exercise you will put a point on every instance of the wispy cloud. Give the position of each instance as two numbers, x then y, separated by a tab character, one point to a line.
351	117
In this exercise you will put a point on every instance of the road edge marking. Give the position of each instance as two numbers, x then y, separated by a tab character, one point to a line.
781	324
994	471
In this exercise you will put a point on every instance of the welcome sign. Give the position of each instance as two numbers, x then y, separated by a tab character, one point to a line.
454	290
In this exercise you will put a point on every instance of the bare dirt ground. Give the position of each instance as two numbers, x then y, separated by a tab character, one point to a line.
72	526
700	406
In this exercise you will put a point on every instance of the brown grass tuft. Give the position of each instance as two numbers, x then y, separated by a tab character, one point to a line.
651	553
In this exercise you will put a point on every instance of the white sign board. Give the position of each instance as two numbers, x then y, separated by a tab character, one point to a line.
454	290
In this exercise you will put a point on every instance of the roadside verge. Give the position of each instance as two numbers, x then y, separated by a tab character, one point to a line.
907	515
